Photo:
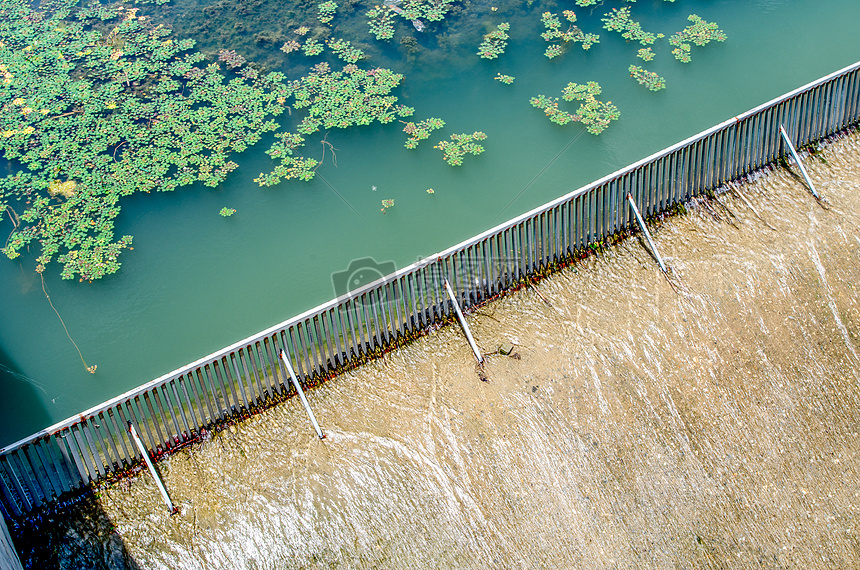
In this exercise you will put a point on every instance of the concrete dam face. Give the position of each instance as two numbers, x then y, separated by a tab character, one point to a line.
710	421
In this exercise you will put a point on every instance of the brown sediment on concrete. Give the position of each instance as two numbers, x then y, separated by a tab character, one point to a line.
713	424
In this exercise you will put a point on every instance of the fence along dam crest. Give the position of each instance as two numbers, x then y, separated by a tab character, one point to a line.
170	411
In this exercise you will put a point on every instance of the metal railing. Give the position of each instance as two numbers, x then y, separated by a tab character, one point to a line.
171	410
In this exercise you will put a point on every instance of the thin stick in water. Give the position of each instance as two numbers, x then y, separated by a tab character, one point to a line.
90	369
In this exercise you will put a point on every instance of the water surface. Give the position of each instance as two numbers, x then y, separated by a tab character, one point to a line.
196	282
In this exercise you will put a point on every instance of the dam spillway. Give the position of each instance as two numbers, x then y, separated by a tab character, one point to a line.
711	424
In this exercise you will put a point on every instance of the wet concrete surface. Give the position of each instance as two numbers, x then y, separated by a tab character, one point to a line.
710	422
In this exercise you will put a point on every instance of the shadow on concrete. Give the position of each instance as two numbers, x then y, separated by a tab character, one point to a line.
73	535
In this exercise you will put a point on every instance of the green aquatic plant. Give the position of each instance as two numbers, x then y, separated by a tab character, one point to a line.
312	47
291	46
380	17
699	32
459	146
549	105
227	212
381	22
421	130
232	59
553	51
619	21
645	54
352	96
436	10
553	32
506	79
647	78
431	10
291	166
595	115
326	11
495	42
95	109
344	50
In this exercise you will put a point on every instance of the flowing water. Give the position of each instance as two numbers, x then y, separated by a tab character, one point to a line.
709	425
196	282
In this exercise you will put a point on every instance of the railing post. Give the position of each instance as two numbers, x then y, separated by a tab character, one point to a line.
301	392
646	232
797	160
158	483
465	325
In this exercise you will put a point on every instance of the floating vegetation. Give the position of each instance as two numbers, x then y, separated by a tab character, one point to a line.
291	46
227	212
647	78
344	50
553	51
461	145
326	11
381	18
232	59
495	42
312	47
549	105
381	22
65	189
619	21
699	32
645	54
430	10
553	32
341	99
595	115
421	131
98	104
291	166
387	204
92	116
430	191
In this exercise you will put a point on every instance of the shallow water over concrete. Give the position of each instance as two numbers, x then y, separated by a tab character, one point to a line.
709	424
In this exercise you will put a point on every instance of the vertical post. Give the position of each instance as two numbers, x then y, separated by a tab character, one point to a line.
646	232
797	160
301	392
151	467
463	323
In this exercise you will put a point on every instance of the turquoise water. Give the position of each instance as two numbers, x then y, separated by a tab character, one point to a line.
196	282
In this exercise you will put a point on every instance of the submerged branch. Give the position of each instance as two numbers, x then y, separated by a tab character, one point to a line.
90	369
